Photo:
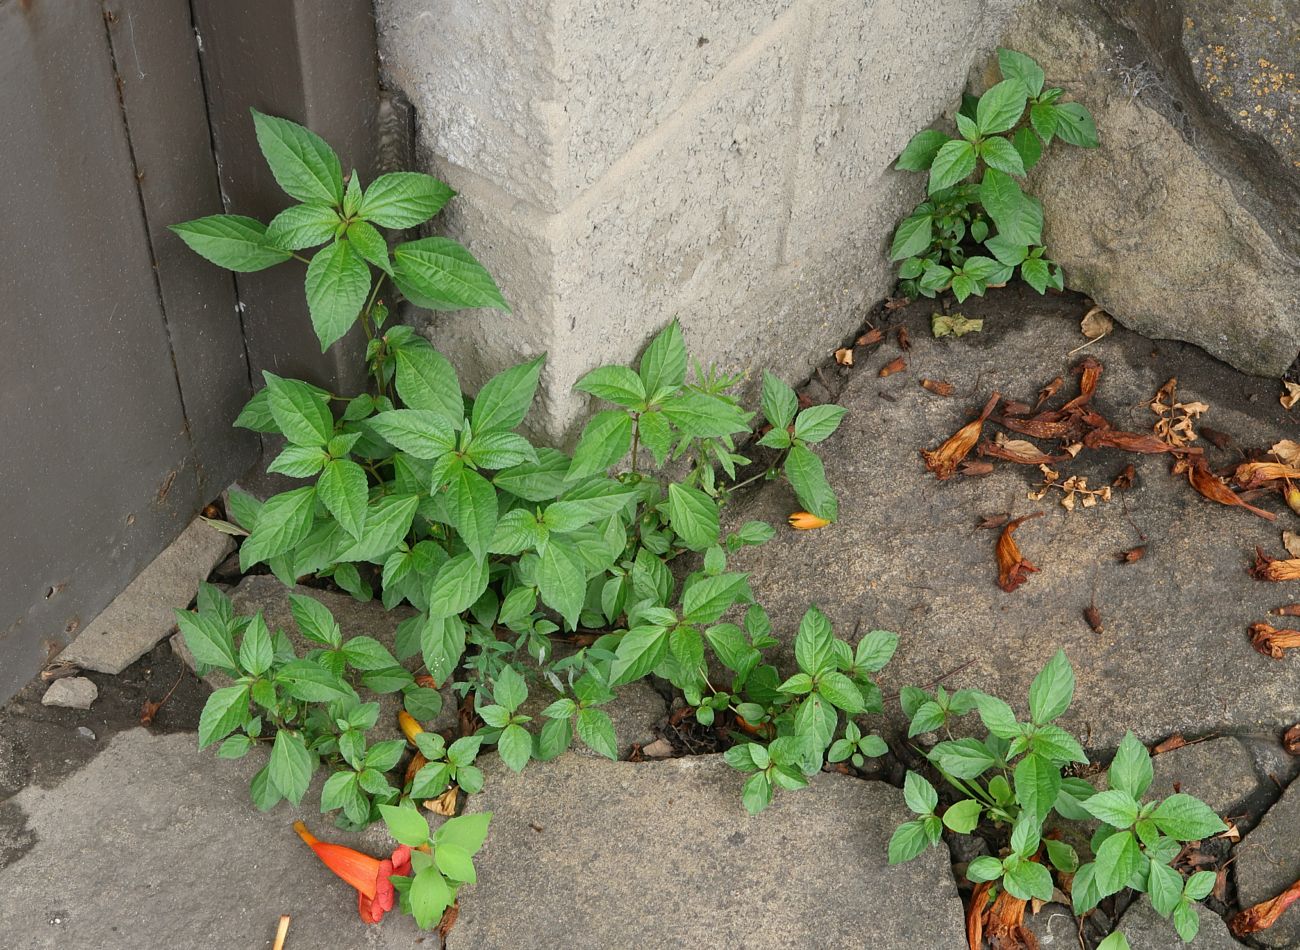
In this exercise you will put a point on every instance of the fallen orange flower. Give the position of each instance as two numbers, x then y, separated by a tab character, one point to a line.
370	876
410	728
806	521
1254	474
1264	914
1271	569
1013	569
1213	488
944	460
1292	495
1271	641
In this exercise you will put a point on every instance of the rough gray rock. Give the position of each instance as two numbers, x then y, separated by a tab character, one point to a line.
1055	927
74	692
1268	862
585	853
141	615
1174	655
1147	930
1220	772
1180	225
155	844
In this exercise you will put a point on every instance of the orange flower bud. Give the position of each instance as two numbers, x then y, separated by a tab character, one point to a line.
806	521
410	728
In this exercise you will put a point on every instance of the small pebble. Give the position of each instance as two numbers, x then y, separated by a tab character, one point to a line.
85	733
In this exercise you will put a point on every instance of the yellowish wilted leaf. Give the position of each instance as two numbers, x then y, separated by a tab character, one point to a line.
1096	323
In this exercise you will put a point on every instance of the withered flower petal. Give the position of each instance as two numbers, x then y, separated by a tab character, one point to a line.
1213	488
1264	914
1013	569
1271	641
1268	568
1254	474
806	521
943	461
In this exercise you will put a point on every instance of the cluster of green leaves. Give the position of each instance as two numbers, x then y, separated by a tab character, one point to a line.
500	546
432	272
307	708
968	235
1013	778
437	873
801	716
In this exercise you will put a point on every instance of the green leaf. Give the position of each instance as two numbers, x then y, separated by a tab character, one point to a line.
1074	124
1027	880
907	841
1029	146
343	489
1199	885
263	791
367	653
998	717
960	758
704	416
807	477
616	384
757	793
561	582
1115	941
224	712
314	620
515	747
1042	115
693	515
1115	807
1117	859
282	523
472	505
440	274
499	450
841	692
337	284
300	226
387	522
963	816
298	461
404	199
920	151
455	863
1002	155
1052	690
303	165
420	433
779	401
426	380
912	237
255	653
369	245
308	681
509	690
663	365
1020	67
291	765
814	644
209	639
875	650
504	399
919	794
596	729
535	481
1185	818
256	414
1035	273
405	824
605	439
817	423
429	896
1165	888
457	585
467	832
1062	856
236	747
1186	922
638	652
300	412
1037	782
383	756
1006	251
1017	216
422	702
231	241
1001	106
983	868
954	161
709	598
1131	770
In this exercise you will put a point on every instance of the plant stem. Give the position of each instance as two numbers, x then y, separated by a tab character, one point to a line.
636	441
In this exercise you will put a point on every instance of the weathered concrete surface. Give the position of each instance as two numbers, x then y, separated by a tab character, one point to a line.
141	615
592	854
154	844
635	710
906	556
1179	224
727	164
1147	930
1268	862
73	692
1220	772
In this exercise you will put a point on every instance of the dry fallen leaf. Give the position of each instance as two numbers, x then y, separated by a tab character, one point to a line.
1013	569
1232	834
448	920
1174	419
444	804
904	341
1287	452
896	365
1176	741
1290	394
1096	323
974	469
844	356
1125	479
1074	490
943	461
1271	569
1257	474
1291	740
953	324
1133	554
1264	914
1271	641
895	303
1291	541
870	338
994	521
1093	616
937	387
1050	390
1213	488
659	749
1014	450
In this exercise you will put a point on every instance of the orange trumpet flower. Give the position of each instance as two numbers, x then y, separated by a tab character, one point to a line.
370	876
806	521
